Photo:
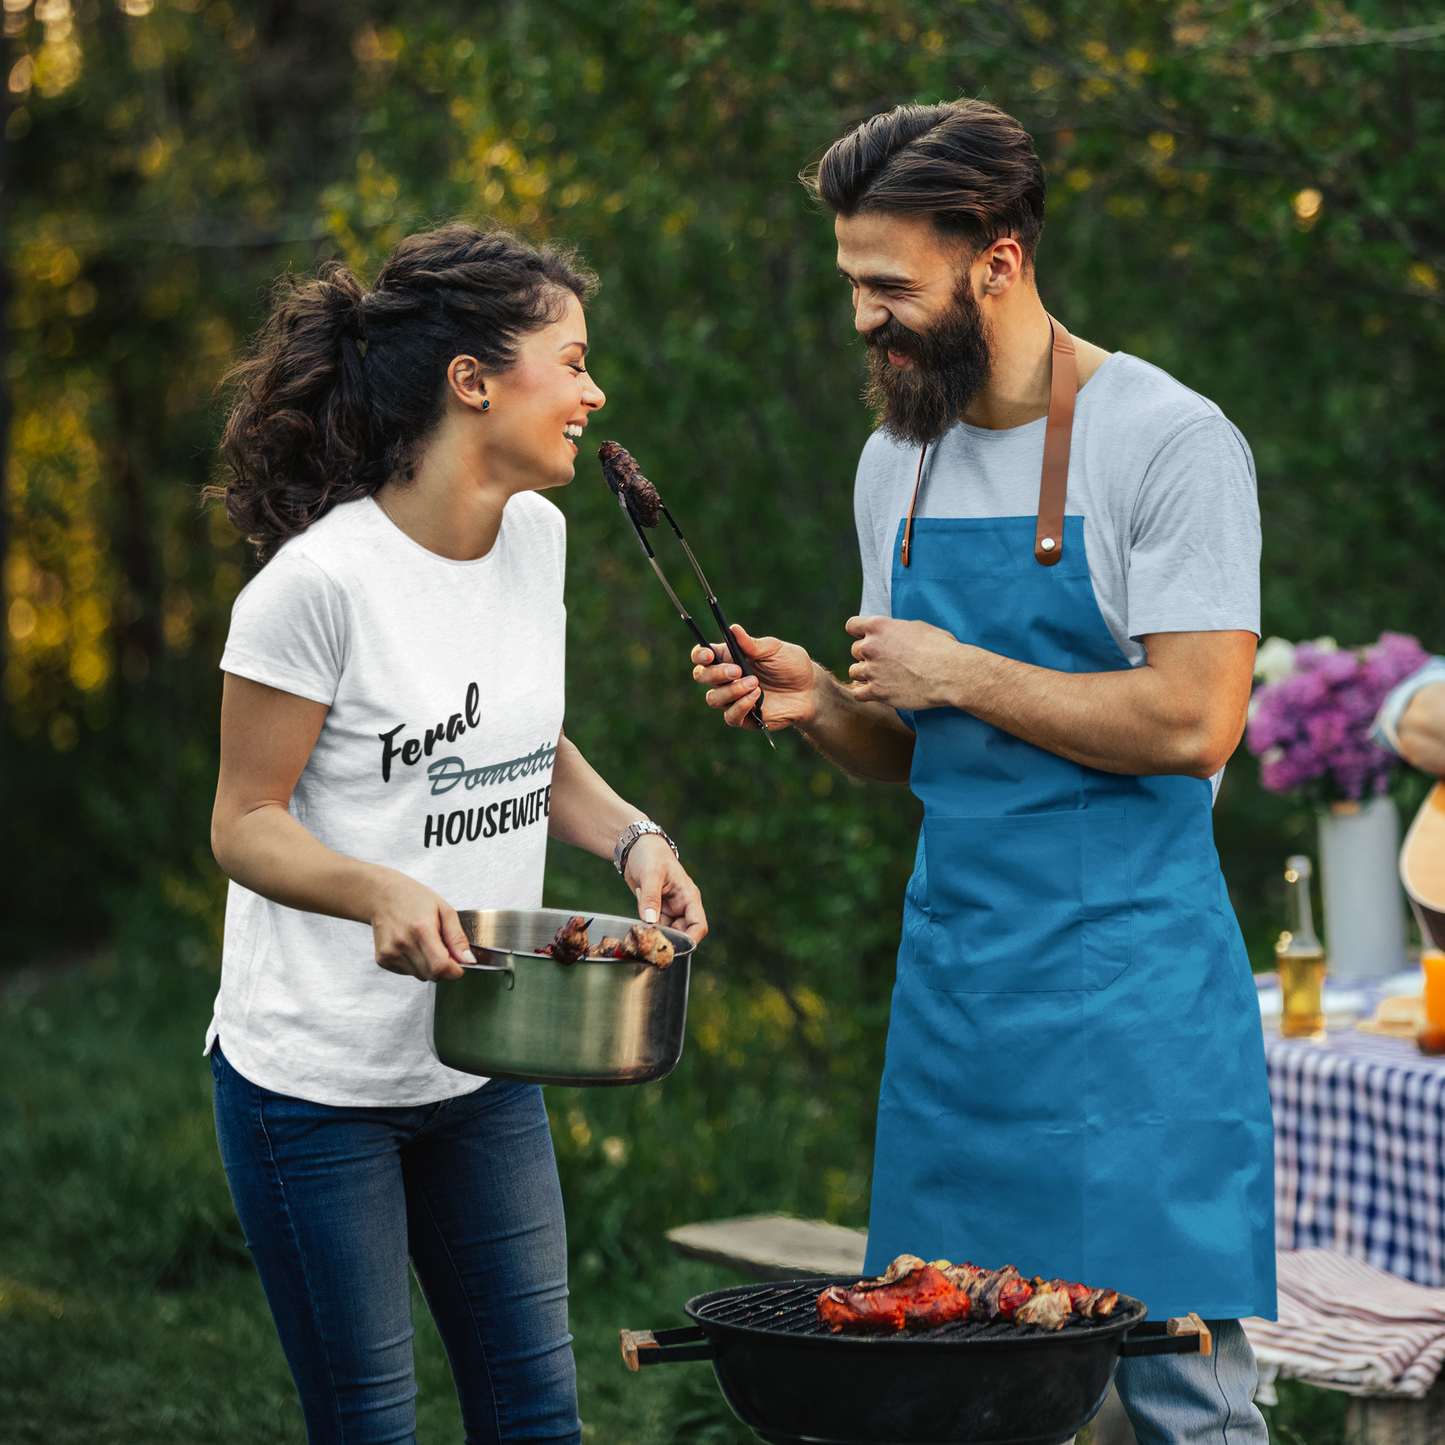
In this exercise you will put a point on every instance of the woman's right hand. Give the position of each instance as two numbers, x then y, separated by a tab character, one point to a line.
417	932
784	671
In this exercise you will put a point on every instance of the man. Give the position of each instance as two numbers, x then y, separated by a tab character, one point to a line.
1056	644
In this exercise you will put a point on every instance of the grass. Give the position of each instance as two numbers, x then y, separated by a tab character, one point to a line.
129	1314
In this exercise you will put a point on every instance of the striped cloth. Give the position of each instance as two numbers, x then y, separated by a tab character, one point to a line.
1359	1151
1347	1326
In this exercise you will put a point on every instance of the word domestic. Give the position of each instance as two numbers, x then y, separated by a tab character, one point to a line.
467	825
446	773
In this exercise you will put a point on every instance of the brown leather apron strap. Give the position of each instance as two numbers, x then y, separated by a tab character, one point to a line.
1054	483
908	526
1054	480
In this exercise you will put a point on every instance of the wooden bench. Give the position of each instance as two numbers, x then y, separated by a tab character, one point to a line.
774	1246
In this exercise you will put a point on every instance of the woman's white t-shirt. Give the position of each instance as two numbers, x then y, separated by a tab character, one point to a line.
444	682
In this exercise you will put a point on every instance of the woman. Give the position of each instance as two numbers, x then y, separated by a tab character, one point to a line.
392	745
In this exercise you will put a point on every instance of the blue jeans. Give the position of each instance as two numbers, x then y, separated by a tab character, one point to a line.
1186	1400
333	1201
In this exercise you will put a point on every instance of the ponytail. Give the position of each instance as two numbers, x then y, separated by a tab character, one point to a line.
343	385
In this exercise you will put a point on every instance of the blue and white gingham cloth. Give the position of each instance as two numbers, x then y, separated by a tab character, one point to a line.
1359	1151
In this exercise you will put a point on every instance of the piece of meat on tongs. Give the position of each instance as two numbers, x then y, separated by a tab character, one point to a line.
643	507
911	1295
625	478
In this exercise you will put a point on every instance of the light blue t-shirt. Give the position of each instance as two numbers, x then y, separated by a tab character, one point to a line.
1164	482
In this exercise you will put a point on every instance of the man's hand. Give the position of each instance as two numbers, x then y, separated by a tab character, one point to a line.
785	672
866	740
907	665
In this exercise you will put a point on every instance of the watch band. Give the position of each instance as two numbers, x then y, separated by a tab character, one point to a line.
630	834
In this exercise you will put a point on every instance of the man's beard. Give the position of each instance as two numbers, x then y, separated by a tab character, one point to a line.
952	360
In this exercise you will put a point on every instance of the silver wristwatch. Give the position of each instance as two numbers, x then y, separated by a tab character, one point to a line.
630	834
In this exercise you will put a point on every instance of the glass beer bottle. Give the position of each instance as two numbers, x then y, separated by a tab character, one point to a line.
1300	960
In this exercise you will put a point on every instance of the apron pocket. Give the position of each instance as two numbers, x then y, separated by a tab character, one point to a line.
1028	903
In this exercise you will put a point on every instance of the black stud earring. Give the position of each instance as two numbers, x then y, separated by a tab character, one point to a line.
485	405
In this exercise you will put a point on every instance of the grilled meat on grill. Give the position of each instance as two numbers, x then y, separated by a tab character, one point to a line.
570	943
912	1295
625	478
1093	1304
916	1297
1047	1308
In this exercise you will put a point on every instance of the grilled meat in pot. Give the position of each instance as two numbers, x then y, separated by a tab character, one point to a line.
648	944
570	943
643	942
625	478
912	1295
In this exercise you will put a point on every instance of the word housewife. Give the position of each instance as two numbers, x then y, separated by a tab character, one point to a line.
486	820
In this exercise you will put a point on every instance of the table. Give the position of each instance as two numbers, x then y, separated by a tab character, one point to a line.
1359	1139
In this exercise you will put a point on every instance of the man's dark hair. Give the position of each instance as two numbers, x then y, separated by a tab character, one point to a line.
967	164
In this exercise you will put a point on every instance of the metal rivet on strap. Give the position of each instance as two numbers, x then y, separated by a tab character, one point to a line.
1048	544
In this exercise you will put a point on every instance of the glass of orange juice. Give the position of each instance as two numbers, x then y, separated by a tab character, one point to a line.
1432	960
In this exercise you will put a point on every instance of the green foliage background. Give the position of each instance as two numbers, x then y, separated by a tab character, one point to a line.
1246	195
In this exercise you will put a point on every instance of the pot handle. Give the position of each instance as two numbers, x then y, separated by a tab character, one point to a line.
509	982
1186	1335
663	1347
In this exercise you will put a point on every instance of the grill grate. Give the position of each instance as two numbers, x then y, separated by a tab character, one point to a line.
791	1309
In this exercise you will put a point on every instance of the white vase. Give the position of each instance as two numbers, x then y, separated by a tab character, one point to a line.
1364	910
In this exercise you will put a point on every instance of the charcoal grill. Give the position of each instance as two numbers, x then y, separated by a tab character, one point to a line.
968	1383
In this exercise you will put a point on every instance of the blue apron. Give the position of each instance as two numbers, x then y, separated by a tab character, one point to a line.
1075	1079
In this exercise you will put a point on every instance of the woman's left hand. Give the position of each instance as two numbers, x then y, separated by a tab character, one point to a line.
665	894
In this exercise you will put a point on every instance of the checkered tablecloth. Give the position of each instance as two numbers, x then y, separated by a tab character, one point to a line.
1359	1141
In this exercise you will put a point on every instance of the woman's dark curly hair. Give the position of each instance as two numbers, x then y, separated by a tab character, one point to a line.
343	384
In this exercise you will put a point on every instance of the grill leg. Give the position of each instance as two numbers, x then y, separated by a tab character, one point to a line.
1111	1425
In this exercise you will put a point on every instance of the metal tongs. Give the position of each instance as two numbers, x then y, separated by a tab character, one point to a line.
735	652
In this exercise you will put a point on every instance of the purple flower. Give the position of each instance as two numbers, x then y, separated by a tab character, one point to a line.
1311	729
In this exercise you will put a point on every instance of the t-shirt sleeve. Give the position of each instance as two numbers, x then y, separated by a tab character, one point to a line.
288	630
1195	541
877	564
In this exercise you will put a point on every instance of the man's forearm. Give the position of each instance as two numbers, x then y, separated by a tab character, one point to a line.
866	739
1132	721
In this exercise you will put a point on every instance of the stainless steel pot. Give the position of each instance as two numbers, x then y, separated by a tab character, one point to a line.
522	1015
